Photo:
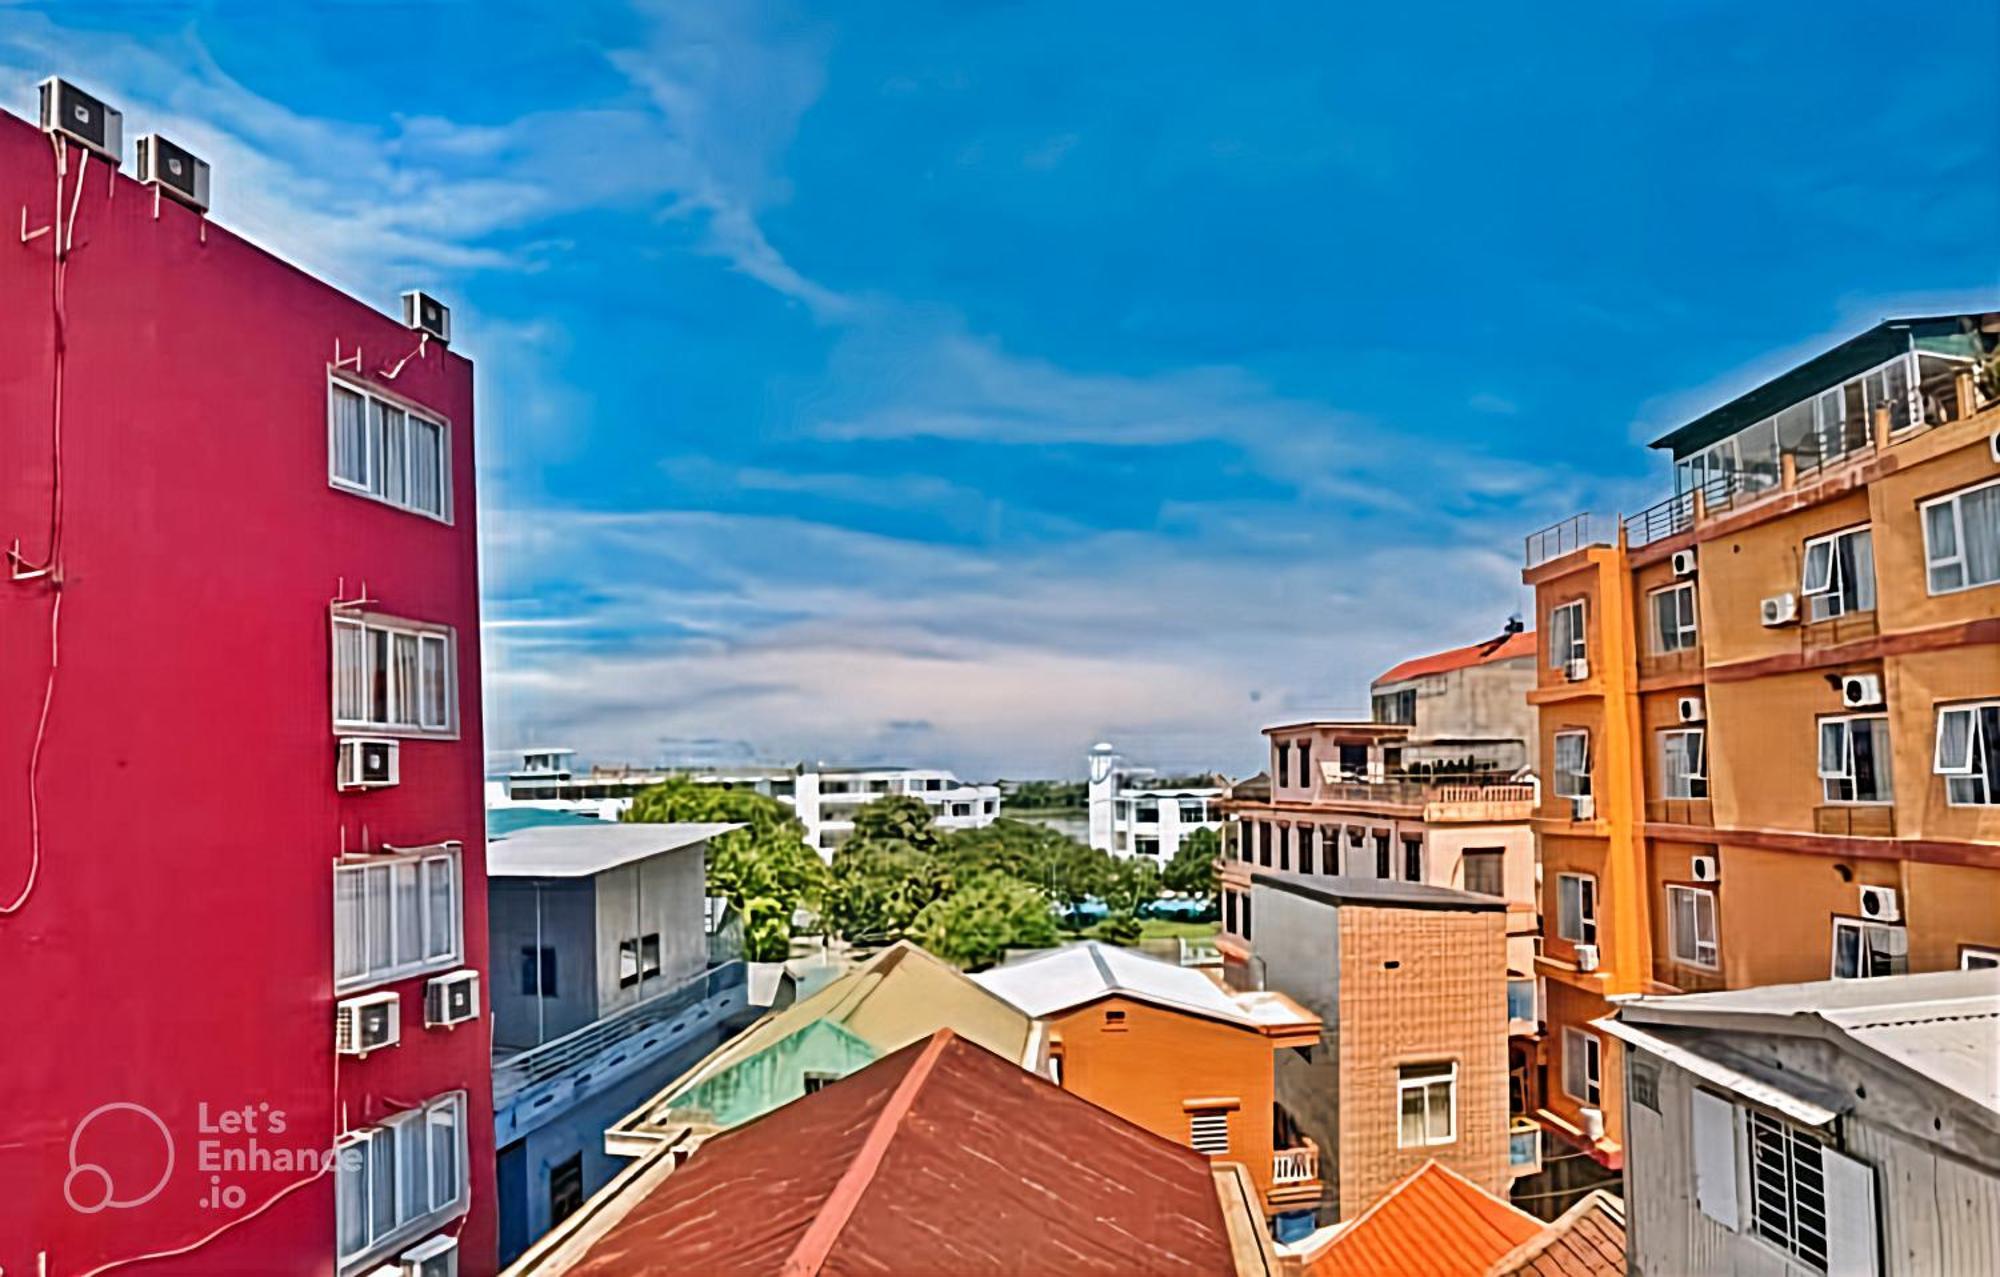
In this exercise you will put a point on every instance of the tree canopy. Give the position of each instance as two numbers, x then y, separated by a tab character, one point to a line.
989	914
1192	869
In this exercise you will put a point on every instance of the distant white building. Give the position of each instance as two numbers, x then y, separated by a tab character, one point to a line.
1128	817
825	798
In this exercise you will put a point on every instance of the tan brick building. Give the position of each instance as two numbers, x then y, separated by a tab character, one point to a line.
1410	984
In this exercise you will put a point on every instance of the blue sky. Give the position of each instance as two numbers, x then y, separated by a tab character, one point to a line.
964	383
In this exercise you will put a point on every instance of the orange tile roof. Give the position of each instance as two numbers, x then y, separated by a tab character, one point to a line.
1458	658
1436	1223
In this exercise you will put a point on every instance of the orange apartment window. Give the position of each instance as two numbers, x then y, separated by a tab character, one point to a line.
1854	759
1583	1066
1576	908
1572	769
1691	925
1968	753
1673	618
1839	575
1568	647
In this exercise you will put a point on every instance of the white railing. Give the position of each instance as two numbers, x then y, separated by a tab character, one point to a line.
1295	1165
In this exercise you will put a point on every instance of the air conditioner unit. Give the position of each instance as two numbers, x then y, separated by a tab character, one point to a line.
366	1023
1684	562
1593	1123
1861	691
451	999
437	1257
1705	868
1584	808
1779	609
1586	957
176	171
69	112
1994	445
427	314
1692	710
1577	670
367	763
1878	904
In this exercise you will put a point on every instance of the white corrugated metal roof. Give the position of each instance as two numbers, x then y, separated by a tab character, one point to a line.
1055	981
1709	1065
1944	1025
577	851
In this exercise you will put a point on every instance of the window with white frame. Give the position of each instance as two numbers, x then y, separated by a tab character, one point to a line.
1208	1131
401	1178
1576	908
1684	763
1583	1066
1839	574
1426	1104
1854	759
382	450
1968	753
1673	618
1566	634
1572	769
1691	925
394	676
1864	949
396	917
1783	1184
1962	539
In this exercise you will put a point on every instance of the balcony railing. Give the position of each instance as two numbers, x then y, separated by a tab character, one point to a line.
1680	811
1864	821
1417	793
1835	630
1295	1165
1572	533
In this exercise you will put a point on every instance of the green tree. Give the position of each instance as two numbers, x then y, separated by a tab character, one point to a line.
1119	929
877	889
1192	870
989	914
1134	884
765	871
1058	866
897	818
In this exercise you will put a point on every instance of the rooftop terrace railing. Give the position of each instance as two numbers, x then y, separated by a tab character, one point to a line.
1571	534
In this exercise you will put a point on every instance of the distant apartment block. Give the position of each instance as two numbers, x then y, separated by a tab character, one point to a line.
242	860
1169	1048
602	989
1770	704
1132	813
825	799
1841	1126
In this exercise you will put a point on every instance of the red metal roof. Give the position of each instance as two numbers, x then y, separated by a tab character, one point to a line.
1458	658
1436	1223
940	1158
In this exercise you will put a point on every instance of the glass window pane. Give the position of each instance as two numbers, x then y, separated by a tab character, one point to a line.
1411	1126
1954	741
378	675
1439	1123
350	925
1979	520
350	1193
427	466
377	906
436	673
350	673
406	679
441	907
413	1170
349	436
381	1184
1819	568
446	1182
409	914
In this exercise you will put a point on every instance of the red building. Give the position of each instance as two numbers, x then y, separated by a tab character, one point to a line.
241	510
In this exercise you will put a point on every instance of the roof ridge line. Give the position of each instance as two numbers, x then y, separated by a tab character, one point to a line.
816	1243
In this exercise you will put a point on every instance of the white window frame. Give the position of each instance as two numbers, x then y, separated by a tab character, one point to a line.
1833	588
1835	771
438	640
1587	1047
1586	908
432	952
373	484
356	1155
1686	633
1423	1084
1891	939
1697	952
1579	641
1558	772
1933	561
1678	784
1971	773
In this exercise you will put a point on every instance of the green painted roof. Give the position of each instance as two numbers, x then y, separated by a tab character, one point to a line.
1940	334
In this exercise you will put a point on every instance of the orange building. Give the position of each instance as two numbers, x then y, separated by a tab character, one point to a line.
1169	1049
1770	705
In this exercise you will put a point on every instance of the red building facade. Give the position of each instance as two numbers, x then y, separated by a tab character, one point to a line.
242	511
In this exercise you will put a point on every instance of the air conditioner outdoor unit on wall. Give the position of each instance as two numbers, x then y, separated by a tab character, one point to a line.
1586	957
1779	609
1704	868
1692	710
69	112
1577	670
176	171
1584	808
437	1257
1861	691
1878	904
1593	1122
1684	562
427	314
367	1023
367	763
451	999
